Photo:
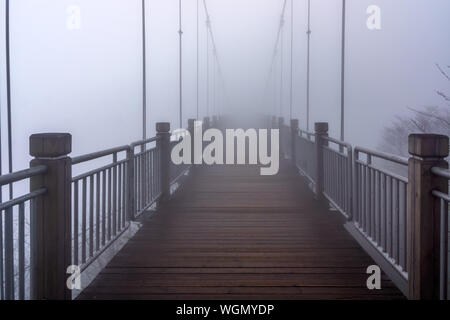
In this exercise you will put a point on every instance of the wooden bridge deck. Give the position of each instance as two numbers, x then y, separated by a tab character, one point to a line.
230	233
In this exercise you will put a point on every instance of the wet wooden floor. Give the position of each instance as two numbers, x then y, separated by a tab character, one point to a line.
230	233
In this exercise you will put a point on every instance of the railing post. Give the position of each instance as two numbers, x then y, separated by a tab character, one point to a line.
131	202
163	146
191	129
274	122
428	151
294	134
280	127
51	219
206	123
321	130
206	126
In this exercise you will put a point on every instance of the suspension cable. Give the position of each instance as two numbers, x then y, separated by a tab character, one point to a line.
272	70
180	32
308	64
197	56
144	75
8	91
213	43
292	60
207	68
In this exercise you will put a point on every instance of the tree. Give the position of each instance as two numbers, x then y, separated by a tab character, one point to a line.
430	119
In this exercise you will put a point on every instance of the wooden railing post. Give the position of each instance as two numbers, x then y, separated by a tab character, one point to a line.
294	134
51	219
131	202
280	127
191	129
206	123
205	126
163	146
428	151
321	130
274	124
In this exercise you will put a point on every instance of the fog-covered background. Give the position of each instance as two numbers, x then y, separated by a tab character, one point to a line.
89	81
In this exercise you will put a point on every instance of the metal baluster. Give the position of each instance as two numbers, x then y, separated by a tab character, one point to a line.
83	222
9	255
391	216
114	207
385	215
109	203
152	175
91	216
98	213
405	235
373	202
21	251
119	198
357	190
103	207
444	250
75	224
379	208
397	226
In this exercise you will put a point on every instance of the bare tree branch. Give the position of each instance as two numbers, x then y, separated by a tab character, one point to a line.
443	72
427	114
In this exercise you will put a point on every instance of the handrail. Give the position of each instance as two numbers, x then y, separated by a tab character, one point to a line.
309	134
99	154
94	171
441	195
142	142
381	155
441	172
22	199
338	142
21	175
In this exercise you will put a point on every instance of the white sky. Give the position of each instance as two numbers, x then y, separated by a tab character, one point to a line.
88	81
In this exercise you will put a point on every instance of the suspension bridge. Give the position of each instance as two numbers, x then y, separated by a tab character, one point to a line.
140	227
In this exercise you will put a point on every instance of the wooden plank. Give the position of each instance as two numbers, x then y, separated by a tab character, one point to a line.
230	233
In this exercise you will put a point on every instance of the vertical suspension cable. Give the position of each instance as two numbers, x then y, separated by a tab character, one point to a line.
207	67
292	60
214	106
144	75
214	47
343	72
180	32
273	72
197	58
281	67
308	64
8	90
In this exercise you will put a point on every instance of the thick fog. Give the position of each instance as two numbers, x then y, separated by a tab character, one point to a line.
88	81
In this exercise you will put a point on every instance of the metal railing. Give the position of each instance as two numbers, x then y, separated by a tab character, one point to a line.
87	212
337	167
444	206
17	237
285	140
99	210
176	171
371	189
147	169
380	205
306	155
